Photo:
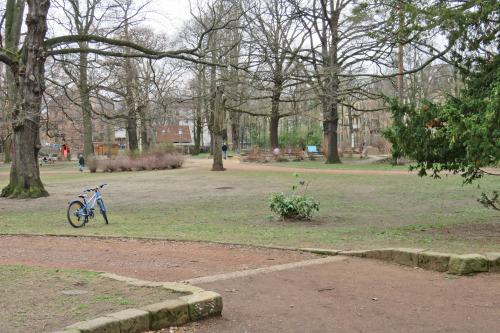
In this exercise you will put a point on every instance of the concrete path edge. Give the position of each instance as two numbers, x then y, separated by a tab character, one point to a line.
198	304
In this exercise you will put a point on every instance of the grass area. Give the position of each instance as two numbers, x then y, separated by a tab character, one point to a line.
33	297
346	164
202	156
357	211
57	166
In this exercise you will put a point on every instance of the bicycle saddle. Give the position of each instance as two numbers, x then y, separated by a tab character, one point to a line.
81	196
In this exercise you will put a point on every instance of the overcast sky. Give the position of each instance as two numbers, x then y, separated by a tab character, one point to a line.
176	12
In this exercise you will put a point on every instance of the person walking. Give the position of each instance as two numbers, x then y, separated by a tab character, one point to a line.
224	150
81	163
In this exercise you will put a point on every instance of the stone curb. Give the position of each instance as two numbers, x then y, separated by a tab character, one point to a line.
403	256
436	261
198	304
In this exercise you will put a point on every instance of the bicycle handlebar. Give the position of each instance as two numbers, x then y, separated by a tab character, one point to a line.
95	189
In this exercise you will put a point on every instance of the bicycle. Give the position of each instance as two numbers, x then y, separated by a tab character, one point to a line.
79	214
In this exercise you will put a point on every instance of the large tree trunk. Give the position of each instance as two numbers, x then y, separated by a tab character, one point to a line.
25	179
333	120
218	130
197	119
7	158
273	126
333	153
133	142
132	130
197	137
83	89
13	22
144	129
400	76
351	127
275	114
235	130
211	125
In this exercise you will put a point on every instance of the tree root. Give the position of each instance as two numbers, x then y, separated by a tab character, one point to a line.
19	192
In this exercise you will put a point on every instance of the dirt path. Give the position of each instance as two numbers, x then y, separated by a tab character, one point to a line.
356	295
334	295
147	260
235	165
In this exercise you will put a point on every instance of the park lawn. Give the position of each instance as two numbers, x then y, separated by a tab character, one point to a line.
357	211
57	166
202	156
33	298
347	163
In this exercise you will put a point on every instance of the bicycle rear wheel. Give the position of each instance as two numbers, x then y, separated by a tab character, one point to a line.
103	209
77	215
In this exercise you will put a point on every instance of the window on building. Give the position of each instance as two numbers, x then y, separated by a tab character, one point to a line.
163	131
180	132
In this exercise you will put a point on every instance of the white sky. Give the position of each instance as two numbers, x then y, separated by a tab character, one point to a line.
175	12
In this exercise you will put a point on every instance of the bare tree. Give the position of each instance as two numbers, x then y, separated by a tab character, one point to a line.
28	68
276	40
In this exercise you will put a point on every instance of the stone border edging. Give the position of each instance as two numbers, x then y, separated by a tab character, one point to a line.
199	304
436	261
442	262
453	263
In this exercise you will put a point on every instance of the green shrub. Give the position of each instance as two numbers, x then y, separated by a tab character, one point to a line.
295	206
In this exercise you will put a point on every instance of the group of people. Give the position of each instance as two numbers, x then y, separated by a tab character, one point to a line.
48	159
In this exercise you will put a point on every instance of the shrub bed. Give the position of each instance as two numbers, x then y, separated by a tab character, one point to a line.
146	161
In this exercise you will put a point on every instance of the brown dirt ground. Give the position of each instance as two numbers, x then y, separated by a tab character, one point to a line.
347	295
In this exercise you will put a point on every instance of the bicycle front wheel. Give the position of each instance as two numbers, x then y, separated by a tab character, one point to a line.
77	214
103	209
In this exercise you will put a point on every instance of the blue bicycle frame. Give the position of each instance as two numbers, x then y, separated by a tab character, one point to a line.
79	214
92	200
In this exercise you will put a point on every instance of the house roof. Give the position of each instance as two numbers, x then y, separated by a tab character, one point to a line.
172	134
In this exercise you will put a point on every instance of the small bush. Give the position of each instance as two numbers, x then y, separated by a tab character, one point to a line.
69	157
294	206
123	163
92	164
140	163
109	165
